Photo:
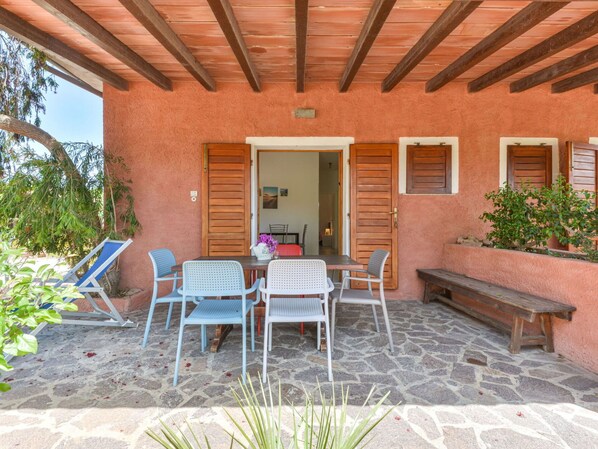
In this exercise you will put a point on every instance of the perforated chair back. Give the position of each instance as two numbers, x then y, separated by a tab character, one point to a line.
297	276
376	263
289	250
209	278
162	260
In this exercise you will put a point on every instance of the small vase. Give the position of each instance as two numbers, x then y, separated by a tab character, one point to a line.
264	256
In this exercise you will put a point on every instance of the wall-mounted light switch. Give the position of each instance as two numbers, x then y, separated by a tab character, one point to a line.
193	194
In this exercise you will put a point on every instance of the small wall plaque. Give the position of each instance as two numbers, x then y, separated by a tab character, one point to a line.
305	113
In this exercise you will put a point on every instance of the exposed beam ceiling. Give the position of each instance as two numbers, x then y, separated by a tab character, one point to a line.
147	15
96	33
228	23
301	8
452	16
372	26
71	79
521	22
583	79
16	26
556	70
571	35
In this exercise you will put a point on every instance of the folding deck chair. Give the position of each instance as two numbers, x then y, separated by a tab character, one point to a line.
108	250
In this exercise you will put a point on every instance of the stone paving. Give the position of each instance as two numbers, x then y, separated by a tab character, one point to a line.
457	385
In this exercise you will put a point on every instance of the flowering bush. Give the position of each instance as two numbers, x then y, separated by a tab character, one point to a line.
269	241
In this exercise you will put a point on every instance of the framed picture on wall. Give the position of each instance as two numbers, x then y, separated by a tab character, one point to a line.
284	192
270	198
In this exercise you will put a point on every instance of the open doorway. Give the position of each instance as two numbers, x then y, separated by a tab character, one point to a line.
302	190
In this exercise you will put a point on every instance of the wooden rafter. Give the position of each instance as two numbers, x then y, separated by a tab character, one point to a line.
583	79
96	33
451	17
372	26
571	35
16	26
73	80
228	23
147	15
301	8
521	22
578	61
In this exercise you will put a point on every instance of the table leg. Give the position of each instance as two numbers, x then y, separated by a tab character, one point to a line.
222	330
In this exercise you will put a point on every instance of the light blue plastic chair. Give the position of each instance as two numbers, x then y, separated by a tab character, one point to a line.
204	279
162	261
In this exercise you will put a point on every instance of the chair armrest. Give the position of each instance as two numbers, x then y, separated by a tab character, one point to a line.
255	288
262	287
168	278
330	284
368	279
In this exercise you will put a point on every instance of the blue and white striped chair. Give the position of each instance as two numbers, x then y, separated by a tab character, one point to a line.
204	279
162	261
288	280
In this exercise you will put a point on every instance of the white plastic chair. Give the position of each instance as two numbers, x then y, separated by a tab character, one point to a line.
162	262
214	279
287	280
374	275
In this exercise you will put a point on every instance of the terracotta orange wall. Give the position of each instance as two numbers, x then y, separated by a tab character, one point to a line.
160	136
567	281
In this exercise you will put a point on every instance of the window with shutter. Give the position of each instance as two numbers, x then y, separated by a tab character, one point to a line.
529	164
429	169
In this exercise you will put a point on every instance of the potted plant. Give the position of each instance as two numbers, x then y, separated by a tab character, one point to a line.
265	247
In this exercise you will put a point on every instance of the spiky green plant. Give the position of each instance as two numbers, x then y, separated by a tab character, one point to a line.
323	426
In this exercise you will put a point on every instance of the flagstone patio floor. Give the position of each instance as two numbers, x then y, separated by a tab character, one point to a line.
456	384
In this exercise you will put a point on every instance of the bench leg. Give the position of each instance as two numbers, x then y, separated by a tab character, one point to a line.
516	335
427	292
546	324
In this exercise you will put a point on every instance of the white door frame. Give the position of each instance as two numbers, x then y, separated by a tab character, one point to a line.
303	144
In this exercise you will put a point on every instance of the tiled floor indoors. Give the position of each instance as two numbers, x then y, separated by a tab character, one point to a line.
457	385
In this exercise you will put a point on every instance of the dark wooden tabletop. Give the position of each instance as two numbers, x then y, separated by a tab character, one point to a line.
333	262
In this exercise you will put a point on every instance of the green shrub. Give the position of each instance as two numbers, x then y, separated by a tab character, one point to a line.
528	218
23	293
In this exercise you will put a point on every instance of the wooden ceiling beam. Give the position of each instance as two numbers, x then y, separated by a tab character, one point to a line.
521	22
41	40
153	22
71	79
225	16
556	70
583	29
372	26
301	8
450	18
583	79
96	33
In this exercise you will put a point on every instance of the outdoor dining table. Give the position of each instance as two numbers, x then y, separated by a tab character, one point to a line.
251	263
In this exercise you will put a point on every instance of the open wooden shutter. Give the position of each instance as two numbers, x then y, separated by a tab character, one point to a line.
429	169
374	203
226	199
529	164
582	166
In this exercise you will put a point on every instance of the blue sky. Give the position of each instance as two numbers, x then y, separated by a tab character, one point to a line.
73	114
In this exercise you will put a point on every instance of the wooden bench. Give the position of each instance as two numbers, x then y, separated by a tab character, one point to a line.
441	284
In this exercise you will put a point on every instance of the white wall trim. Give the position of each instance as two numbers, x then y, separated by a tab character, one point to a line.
310	144
405	141
506	141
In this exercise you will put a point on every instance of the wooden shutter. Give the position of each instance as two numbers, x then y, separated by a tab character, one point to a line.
582	166
374	203
529	164
226	199
429	169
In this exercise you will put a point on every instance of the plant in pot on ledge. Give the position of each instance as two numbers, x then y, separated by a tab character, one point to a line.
48	208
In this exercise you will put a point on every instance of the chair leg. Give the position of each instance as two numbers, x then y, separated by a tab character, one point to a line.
387	323
244	363
328	349
150	316
319	336
170	307
375	318
332	323
265	362
252	331
178	354
269	337
203	337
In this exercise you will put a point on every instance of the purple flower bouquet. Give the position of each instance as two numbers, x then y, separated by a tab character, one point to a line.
265	246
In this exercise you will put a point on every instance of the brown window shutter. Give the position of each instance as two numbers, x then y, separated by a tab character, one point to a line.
529	164
429	169
582	165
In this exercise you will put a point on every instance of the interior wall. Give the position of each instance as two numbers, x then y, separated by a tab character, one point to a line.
165	164
298	172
